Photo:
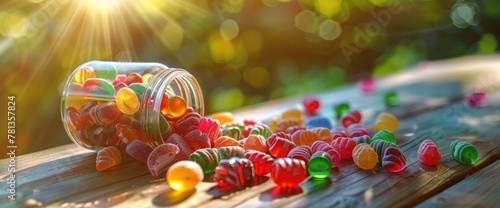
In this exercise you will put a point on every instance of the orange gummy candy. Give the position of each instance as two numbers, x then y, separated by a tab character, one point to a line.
107	158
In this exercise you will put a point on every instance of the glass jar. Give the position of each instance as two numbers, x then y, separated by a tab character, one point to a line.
112	103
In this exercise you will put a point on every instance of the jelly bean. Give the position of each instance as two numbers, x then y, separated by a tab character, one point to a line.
394	160
262	162
386	121
133	78
356	130
261	129
287	172
255	142
293	113
362	139
197	140
234	174
73	119
364	156
476	99
127	101
210	127
138	150
107	158
83	74
463	152
283	124
304	137
161	158
380	146
105	114
325	147
104	84
391	99
223	117
428	153
120	78
232	131
345	146
278	146
224	141
311	105
350	118
184	148
302	153
341	109
139	90
184	175
319	121
384	135
292	129
229	152
176	107
320	165
187	123
338	132
104	70
207	158
367	85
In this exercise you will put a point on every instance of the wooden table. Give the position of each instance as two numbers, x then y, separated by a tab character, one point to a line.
431	107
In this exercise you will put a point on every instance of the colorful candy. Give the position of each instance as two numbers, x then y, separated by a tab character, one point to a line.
293	113
234	174
187	123
223	117
283	124
428	153
207	159
323	134
105	70
341	109
127	101
364	156
320	165
349	118
391	99
301	153
338	132
345	146
386	121
394	160
463	152
262	162
367	85
161	157
197	140
210	127
476	99
261	129
229	152
107	158
224	141
311	105
138	150
184	148
362	139
380	146
105	114
133	78
176	107
319	121
357	129
325	147
73	119
184	175
83	74
384	135
292	129
304	137
94	83
255	142
287	172
278	146
231	131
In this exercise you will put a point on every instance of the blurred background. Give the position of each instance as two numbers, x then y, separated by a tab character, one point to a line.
241	52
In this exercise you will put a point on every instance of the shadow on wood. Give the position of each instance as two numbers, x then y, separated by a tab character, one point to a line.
172	197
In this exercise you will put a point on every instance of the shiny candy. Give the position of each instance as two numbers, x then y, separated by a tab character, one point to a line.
161	158
386	121
279	146
341	109
83	74
304	137
287	172
234	174
197	140
176	107
133	78
207	158
367	85
364	156
356	130
391	99
223	117
231	151
261	129
225	141
302	153
320	165
476	99
187	123
463	152
73	119
319	121
428	153
127	101
311	105
345	146
262	162
102	83
231	131
184	175
351	117
105	114
380	146
325	147
255	142
394	160
384	135
105	70
210	127
107	158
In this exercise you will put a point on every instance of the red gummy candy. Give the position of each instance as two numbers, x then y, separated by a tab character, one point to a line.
311	105
210	127
350	118
338	132
197	140
73	119
234	174
133	78
301	153
187	123
394	160
287	172
279	146
357	130
161	158
105	114
139	150
262	162
184	148
325	147
345	146
428	153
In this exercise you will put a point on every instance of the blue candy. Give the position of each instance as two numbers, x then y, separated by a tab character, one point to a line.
319	121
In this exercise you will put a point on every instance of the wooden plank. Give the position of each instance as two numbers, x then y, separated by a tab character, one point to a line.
477	190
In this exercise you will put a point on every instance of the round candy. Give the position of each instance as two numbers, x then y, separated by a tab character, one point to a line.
304	137
278	146
127	101
351	117
384	135
394	160
120	78
287	172
364	156
206	158
255	142
301	153
176	107
311	105
102	83
319	121
428	153
325	147
133	78
386	121
234	174
105	70
345	146
357	129
105	114
83	74
463	152
184	175
231	151
262	162
320	165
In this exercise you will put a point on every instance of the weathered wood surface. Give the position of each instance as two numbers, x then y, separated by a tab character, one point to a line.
66	177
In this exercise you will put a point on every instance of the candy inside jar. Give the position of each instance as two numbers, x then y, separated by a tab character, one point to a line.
114	103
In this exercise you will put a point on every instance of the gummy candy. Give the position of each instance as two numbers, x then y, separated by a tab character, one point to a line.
85	110
223	117
294	129
320	165
139	90
231	151
255	142
73	119
311	105
283	124
120	78
367	85
394	160
323	134
262	162
304	137
184	175
231	131
138	150
83	74
341	109
104	84
189	122
207	158
98	135
357	129
133	78
428	153
301	153
224	141
184	148
380	146
476	99
293	113
107	158
386	121
350	118
196	140
210	127
105	114
325	147
288	172
125	133
161	157
319	121
362	139
105	70
345	146
391	99
463	152
279	146
364	156
234	173
384	135
127	101
338	132
261	129
280	135
176	107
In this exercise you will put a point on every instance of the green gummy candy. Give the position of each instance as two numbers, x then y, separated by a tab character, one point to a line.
105	70
341	109
463	152
380	146
384	135
320	165
391	99
229	152
139	89
232	131
207	159
261	129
